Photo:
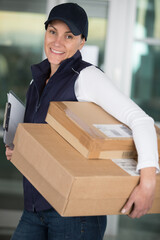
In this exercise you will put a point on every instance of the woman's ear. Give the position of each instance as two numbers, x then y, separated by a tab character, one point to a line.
82	43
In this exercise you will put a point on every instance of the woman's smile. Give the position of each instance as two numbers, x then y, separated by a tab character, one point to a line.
56	52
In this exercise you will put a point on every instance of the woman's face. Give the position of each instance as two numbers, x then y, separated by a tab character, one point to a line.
60	43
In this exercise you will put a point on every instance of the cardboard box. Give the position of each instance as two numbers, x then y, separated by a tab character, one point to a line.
79	124
72	184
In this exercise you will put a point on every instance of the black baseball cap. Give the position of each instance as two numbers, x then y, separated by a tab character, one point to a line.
73	15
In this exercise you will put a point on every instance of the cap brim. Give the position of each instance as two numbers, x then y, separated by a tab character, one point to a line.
71	25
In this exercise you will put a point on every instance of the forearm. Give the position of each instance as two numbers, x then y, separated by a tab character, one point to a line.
145	140
148	177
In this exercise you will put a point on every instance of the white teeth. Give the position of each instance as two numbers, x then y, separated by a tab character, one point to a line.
55	51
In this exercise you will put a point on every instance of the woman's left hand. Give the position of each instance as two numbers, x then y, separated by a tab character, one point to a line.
141	198
9	152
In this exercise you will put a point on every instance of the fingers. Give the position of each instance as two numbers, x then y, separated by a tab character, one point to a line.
133	211
128	206
139	202
8	153
137	211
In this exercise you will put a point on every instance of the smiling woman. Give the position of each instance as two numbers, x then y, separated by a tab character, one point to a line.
65	76
60	43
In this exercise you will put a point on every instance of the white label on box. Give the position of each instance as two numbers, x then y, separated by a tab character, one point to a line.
114	130
128	165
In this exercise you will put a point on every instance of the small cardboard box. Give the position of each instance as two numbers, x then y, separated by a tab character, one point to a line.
72	184
91	130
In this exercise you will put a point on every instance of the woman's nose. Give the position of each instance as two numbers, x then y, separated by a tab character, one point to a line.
58	41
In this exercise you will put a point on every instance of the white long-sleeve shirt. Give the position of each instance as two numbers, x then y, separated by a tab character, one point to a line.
92	85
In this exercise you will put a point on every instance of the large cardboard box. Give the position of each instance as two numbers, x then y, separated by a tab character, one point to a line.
72	184
91	130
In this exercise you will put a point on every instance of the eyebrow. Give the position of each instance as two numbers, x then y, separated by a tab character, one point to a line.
50	25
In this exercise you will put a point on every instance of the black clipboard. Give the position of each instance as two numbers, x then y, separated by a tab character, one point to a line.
14	114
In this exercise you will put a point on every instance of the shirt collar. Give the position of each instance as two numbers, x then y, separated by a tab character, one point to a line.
43	69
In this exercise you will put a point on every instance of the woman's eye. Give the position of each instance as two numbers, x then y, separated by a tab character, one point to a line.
69	36
52	31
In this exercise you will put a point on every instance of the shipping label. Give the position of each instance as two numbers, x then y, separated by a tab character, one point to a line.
114	130
128	165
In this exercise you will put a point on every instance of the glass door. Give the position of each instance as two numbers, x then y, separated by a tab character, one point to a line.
146	57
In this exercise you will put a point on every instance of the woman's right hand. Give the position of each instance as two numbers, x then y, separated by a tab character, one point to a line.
9	152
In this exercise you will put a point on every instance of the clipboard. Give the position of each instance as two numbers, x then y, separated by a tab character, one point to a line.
14	114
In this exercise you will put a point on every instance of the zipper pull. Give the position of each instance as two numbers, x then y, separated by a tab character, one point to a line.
37	107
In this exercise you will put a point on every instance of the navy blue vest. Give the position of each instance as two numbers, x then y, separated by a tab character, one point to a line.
59	88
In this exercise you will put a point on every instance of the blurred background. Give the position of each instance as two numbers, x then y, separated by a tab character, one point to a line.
124	41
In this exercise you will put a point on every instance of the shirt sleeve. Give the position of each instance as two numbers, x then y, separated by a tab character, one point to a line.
93	85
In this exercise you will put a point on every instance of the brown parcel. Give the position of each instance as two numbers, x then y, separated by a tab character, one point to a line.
72	184
74	121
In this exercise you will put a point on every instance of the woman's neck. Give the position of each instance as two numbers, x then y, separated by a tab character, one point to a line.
54	69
